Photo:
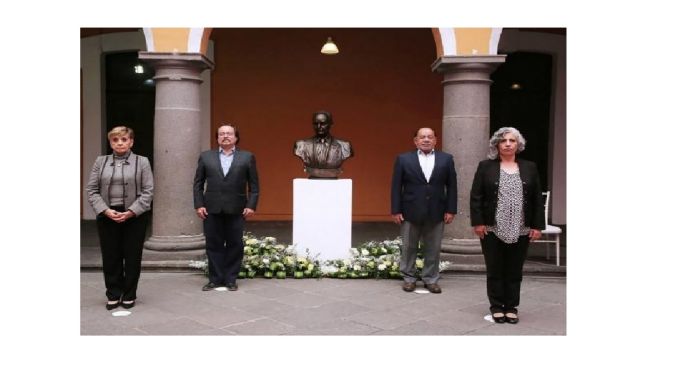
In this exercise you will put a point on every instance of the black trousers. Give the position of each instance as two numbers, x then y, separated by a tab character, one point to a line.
504	271
121	245
224	245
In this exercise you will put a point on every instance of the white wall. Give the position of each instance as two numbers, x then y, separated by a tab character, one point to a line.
91	65
555	45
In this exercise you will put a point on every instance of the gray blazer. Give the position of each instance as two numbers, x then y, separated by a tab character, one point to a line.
228	194
138	178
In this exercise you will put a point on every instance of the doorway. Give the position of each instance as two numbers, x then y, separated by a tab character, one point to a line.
520	98
130	95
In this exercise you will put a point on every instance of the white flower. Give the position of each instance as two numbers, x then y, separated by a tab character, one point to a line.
381	267
365	252
251	241
354	252
266	261
346	262
444	265
270	239
199	264
329	269
356	267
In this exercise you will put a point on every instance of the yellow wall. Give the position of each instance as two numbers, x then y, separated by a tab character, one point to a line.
463	41
473	39
170	39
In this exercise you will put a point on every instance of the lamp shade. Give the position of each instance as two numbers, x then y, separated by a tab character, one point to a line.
329	48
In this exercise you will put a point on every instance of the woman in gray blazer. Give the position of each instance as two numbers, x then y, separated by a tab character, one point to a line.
120	191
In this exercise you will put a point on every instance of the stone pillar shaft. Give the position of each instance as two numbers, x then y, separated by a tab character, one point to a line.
175	150
465	124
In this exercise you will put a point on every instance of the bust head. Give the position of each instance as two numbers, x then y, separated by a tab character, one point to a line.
322	122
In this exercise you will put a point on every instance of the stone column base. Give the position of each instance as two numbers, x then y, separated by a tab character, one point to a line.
462	245
463	254
175	243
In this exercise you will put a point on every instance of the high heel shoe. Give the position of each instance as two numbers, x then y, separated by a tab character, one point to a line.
128	305
512	318
498	317
112	306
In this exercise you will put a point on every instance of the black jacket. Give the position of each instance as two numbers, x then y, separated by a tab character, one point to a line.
230	194
484	194
420	200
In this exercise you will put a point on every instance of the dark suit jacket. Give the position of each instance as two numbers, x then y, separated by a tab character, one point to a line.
230	194
420	200
484	193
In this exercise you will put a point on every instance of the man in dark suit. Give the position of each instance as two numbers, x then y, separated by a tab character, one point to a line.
423	200
231	196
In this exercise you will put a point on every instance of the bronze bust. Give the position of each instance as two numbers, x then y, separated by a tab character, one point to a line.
322	154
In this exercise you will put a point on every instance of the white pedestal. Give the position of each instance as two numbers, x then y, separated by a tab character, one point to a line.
323	217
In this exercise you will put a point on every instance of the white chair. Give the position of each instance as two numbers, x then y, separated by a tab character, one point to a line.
551	233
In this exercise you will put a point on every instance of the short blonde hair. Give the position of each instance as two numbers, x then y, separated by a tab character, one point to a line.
120	130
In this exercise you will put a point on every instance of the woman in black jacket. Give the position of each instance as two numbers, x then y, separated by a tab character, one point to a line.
507	213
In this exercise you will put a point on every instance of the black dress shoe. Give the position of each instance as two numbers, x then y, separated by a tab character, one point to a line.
128	305
209	286
512	318
498	317
408	286
232	287
112	306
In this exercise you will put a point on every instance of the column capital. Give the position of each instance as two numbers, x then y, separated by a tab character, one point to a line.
164	59
480	62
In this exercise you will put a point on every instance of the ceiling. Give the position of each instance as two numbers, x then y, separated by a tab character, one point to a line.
92	31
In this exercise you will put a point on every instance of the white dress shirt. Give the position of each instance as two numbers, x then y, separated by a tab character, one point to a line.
226	160
427	163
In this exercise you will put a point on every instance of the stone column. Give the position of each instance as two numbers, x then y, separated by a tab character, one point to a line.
465	128
176	148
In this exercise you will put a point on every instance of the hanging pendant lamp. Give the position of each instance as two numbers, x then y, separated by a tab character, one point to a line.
329	48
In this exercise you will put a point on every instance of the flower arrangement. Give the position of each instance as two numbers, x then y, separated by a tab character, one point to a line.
265	257
307	266
378	259
373	259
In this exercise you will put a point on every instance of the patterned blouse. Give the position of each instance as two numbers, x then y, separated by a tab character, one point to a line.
510	219
117	188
